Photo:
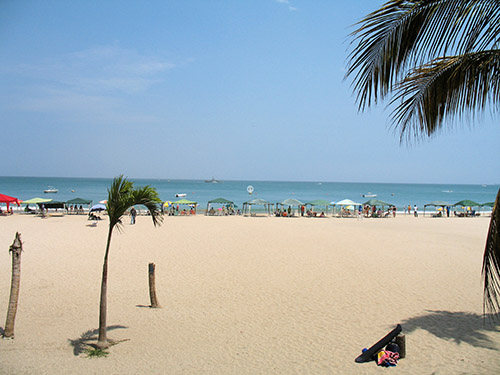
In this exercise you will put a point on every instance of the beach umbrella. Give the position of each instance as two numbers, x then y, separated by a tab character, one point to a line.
37	201
290	202
105	201
79	201
467	202
436	204
376	202
97	207
258	202
347	202
227	203
167	204
320	202
8	200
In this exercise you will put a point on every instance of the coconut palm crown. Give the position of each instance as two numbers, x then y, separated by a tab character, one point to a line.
121	197
438	59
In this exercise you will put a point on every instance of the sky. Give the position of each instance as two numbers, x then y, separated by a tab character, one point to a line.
195	89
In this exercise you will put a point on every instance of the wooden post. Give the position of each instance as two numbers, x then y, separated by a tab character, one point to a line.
152	288
401	341
15	249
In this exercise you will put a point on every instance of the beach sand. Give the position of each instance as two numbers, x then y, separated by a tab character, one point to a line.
256	295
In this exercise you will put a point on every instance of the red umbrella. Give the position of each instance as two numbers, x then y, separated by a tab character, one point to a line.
9	200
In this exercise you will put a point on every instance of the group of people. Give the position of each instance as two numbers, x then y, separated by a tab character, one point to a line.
373	211
74	209
8	211
415	210
288	212
175	210
223	211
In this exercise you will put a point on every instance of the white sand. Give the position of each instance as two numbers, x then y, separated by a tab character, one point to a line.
250	295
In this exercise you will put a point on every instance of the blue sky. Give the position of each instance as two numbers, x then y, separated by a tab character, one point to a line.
236	89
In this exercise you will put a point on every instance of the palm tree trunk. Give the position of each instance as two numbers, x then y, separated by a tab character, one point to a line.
491	263
16	248
102	341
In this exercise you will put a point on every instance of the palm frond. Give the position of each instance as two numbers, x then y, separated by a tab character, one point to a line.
445	88
491	263
148	196
118	200
122	196
405	33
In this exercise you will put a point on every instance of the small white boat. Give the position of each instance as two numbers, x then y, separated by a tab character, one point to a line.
51	189
369	195
181	195
212	181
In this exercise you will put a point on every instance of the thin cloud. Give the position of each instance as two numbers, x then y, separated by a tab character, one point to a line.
287	2
95	83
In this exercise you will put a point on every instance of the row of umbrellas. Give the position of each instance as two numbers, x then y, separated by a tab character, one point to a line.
50	203
463	203
258	201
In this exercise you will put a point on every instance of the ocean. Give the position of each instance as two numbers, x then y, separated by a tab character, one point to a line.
400	195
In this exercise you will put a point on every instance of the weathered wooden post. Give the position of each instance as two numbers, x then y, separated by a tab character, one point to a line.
152	288
15	249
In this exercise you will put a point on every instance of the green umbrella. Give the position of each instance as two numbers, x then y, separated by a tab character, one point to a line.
79	201
184	201
376	202
467	202
37	201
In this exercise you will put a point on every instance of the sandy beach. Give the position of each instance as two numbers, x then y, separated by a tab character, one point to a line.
249	295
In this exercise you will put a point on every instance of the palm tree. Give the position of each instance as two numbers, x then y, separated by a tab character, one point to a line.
122	196
15	249
438	60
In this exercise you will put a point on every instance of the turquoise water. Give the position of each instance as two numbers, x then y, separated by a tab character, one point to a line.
273	191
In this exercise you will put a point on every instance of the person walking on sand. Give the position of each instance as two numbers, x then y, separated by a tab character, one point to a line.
133	214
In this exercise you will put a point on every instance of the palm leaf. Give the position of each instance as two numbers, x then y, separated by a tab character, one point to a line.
444	88
119	200
122	196
408	33
148	196
491	262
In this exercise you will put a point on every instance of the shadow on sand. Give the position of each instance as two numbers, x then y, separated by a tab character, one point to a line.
457	326
84	341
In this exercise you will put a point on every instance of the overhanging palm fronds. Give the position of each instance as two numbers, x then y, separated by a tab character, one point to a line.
405	34
491	262
471	81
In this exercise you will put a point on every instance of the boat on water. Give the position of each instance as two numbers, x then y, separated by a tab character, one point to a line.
369	195
51	189
212	181
180	195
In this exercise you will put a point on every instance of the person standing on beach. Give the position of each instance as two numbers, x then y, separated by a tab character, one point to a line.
415	211
133	214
